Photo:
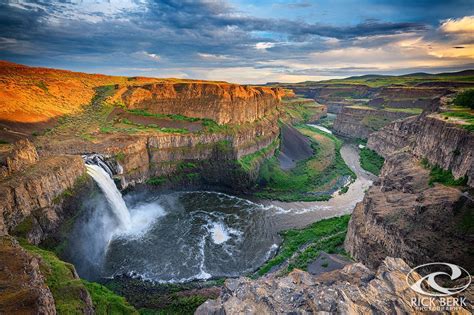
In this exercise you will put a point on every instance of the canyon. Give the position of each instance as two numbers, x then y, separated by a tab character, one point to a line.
196	143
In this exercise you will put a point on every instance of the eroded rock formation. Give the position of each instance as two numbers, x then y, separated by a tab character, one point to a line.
355	289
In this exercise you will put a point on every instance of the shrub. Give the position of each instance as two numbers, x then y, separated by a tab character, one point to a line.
371	161
465	99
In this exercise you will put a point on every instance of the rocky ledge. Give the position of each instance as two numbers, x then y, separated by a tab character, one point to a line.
355	289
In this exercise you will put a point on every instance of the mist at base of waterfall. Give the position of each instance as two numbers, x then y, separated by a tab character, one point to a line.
176	237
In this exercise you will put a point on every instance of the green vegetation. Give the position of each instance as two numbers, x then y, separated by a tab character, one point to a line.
301	109
406	80
156	180
106	301
465	99
301	246
371	161
461	115
311	178
410	110
120	156
138	127
439	175
42	86
142	112
179	305
343	190
4	142
248	162
67	290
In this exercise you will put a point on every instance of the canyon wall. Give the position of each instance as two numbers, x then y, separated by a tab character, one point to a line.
33	190
222	102
429	137
358	122
402	215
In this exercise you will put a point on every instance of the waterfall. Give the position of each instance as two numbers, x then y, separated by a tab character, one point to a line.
101	172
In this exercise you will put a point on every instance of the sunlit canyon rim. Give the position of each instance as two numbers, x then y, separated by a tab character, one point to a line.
236	157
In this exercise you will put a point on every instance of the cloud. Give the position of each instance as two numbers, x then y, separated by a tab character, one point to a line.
203	37
464	25
213	57
264	45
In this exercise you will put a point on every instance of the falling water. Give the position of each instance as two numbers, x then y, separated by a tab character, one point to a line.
113	195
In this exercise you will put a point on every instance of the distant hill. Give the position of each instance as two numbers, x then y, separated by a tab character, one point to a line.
463	78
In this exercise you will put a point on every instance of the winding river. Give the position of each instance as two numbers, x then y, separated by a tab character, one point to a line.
184	236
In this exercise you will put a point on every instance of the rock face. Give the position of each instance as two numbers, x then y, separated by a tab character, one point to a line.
402	216
22	154
355	289
358	122
222	102
32	194
440	142
24	290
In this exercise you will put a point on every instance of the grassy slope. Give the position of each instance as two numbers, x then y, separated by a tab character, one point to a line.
326	235
445	177
67	290
30	94
409	80
371	161
319	173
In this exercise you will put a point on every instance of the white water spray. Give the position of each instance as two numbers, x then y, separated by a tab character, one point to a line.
112	194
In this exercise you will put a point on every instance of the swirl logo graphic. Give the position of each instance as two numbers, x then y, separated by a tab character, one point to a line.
430	284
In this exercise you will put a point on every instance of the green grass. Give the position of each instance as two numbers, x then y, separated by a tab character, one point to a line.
107	302
439	175
467	116
67	290
142	112
371	161
411	110
249	161
325	235
304	182
301	110
156	180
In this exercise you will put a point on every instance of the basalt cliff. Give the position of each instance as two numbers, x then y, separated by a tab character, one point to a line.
405	214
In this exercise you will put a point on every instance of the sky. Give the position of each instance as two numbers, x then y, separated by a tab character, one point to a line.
240	41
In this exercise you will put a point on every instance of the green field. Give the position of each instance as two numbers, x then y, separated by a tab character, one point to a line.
310	178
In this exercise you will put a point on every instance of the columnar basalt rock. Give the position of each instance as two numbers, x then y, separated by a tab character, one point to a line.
441	143
222	102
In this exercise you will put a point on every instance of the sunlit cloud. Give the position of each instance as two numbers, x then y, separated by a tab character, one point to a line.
464	25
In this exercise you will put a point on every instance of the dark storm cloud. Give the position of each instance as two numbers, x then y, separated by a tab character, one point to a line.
175	34
192	26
